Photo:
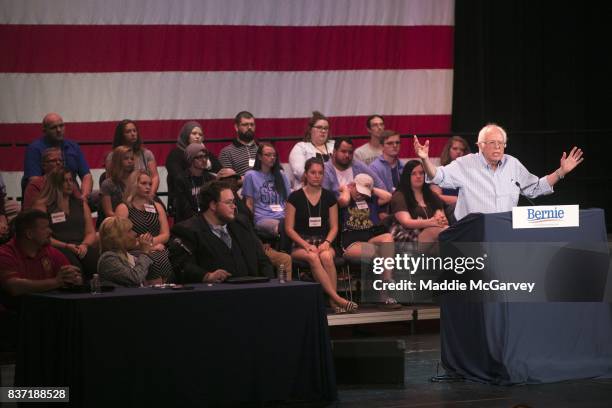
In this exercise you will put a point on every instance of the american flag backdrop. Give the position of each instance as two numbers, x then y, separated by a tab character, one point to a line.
164	62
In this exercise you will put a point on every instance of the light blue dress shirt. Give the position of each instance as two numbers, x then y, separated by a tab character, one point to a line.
484	190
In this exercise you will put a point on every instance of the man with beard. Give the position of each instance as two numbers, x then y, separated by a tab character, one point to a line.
342	169
367	153
28	262
240	155
220	245
71	154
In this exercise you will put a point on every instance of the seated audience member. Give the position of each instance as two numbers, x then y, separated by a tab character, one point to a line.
235	182
127	134
116	265
73	233
51	161
266	189
176	162
368	152
4	224
312	224
8	206
362	235
187	189
418	211
74	160
454	148
342	169
277	258
28	263
388	166
316	143
221	244
147	217
240	154
113	188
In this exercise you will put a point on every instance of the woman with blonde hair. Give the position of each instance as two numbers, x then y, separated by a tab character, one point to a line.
113	188
116	265
73	229
453	149
147	217
316	143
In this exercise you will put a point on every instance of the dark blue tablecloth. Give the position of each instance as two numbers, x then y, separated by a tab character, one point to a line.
148	347
509	343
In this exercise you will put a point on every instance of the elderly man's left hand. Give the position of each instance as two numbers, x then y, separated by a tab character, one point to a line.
569	162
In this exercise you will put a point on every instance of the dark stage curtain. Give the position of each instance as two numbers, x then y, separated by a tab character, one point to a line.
543	71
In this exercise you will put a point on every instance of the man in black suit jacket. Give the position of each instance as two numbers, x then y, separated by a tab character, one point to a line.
219	244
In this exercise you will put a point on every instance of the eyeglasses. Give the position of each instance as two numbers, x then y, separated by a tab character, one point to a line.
377	125
494	143
322	128
269	154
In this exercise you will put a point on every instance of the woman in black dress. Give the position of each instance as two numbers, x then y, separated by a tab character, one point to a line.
147	217
312	224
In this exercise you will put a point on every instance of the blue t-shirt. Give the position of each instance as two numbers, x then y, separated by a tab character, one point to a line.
267	202
74	160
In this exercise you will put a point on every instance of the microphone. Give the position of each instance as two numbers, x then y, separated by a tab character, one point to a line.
516	183
178	242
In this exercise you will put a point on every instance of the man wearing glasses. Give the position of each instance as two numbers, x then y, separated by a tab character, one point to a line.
367	153
71	154
219	244
51	161
491	181
387	166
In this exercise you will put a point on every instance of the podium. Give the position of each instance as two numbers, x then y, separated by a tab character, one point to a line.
527	342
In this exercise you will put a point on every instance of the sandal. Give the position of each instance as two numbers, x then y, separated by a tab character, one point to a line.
339	310
349	307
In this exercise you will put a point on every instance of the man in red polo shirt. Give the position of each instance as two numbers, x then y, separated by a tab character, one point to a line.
29	264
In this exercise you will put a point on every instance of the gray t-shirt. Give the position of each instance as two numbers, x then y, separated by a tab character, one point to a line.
367	153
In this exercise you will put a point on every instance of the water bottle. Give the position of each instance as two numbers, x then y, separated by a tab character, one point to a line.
94	284
282	273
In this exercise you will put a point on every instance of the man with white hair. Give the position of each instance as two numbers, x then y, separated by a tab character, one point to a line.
491	181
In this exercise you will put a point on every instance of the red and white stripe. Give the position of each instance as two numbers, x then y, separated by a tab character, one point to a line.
162	63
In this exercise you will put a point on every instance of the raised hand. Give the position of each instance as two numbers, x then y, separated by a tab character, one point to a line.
422	150
569	162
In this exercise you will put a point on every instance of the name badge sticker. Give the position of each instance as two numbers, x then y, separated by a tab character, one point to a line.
314	221
276	207
58	217
362	205
150	208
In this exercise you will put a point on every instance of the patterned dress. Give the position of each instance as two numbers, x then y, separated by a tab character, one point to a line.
145	221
